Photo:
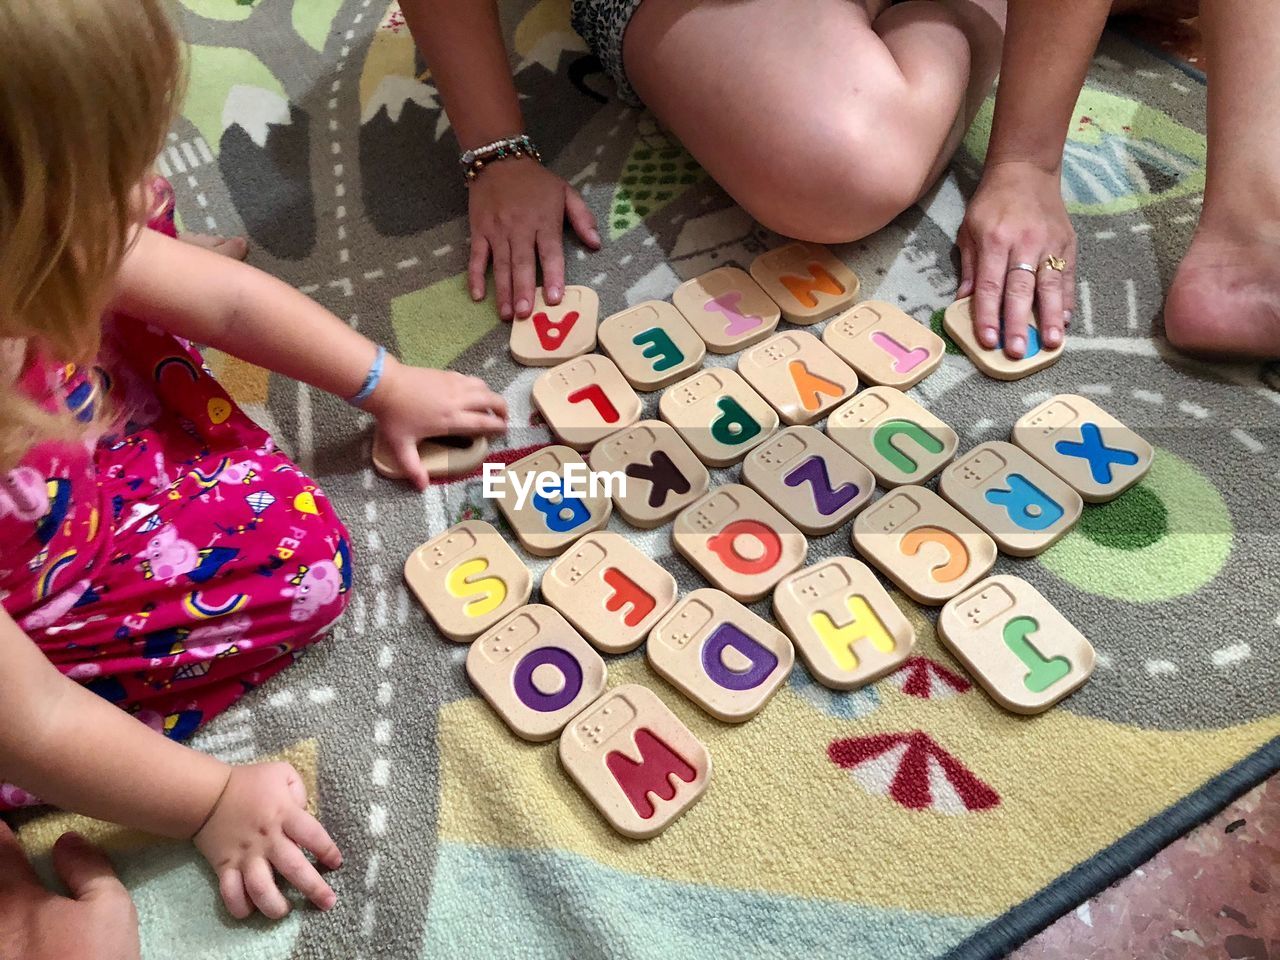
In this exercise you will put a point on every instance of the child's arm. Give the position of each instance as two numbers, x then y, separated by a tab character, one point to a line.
77	751
517	206
1017	214
222	303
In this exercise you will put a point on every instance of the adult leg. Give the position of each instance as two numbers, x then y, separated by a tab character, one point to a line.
822	122
1225	298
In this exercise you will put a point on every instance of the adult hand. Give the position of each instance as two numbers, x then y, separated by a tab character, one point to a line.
518	208
1017	217
96	922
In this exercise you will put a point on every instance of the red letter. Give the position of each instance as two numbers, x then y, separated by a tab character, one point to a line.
626	590
651	775
725	545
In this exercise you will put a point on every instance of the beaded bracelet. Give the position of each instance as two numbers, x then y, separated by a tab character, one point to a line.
473	161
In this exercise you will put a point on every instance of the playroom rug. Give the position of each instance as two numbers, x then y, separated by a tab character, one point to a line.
913	818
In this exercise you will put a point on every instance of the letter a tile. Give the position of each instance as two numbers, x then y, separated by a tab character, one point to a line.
552	335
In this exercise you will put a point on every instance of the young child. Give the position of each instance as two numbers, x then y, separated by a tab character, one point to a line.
160	556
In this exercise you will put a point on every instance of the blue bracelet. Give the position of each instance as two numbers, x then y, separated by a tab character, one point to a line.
371	379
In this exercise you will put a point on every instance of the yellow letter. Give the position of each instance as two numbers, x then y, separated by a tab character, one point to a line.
458	583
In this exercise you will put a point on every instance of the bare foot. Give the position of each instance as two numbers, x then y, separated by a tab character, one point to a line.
1225	298
237	248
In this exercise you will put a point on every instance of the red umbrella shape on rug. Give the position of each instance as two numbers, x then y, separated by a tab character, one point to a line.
928	679
914	770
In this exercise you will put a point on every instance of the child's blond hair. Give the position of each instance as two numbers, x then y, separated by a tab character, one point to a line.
88	89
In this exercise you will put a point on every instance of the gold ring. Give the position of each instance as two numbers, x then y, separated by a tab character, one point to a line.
1055	263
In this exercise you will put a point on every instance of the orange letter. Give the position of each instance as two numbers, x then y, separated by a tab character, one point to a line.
957	555
809	385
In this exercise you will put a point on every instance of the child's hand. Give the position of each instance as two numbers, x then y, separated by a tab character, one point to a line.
518	208
260	826
1017	216
414	403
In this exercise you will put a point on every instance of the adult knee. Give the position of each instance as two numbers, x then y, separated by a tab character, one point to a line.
845	188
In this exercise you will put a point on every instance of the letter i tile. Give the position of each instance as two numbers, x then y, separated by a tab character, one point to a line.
814	481
720	655
635	760
806	280
887	346
799	374
552	335
468	579
727	309
536	671
1083	444
848	629
739	542
923	544
1024	505
652	344
718	415
565	508
1025	653
585	400
609	590
898	439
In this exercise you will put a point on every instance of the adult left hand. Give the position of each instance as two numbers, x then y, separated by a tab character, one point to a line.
96	922
1017	220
